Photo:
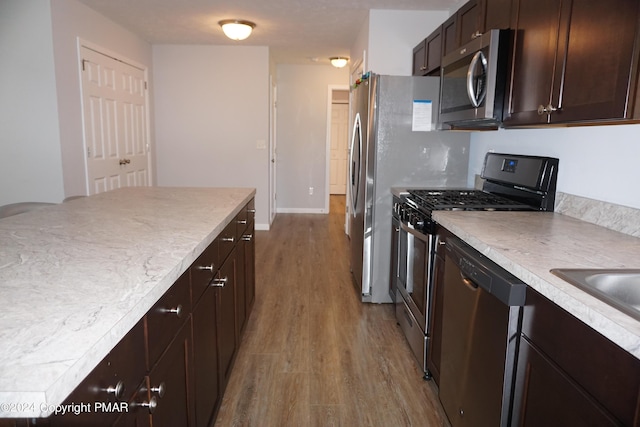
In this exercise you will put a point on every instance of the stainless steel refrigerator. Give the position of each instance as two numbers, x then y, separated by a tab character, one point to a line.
390	148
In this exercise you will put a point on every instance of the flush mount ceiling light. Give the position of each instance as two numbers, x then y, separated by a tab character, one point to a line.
339	61
237	29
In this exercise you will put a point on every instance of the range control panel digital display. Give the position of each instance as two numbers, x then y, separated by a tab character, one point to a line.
509	165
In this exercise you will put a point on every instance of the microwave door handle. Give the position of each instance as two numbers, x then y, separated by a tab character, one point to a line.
476	100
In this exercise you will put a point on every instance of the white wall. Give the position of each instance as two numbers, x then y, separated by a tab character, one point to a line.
41	145
30	160
73	20
302	134
393	35
211	109
598	162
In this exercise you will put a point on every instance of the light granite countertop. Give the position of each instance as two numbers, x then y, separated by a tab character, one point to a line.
529	244
76	277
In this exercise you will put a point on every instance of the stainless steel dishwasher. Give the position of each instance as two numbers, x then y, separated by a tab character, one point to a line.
482	312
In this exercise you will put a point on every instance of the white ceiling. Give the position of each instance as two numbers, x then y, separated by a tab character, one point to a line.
294	30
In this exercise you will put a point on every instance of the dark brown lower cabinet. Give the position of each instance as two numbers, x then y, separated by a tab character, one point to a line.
170	384
249	245
205	358
570	375
172	368
226	318
548	396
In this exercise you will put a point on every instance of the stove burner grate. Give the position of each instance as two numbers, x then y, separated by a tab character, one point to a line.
463	200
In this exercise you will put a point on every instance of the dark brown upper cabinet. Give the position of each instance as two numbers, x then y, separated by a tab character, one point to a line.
450	39
573	62
473	19
468	22
427	55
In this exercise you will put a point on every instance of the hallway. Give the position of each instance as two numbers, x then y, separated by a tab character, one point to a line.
312	353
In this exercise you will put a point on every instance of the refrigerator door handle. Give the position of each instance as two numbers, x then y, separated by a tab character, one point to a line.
355	175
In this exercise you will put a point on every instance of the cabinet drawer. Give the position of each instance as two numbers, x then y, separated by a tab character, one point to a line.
203	270
166	317
227	240
115	379
604	370
242	221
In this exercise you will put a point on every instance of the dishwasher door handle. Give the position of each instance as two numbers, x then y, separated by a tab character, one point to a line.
469	283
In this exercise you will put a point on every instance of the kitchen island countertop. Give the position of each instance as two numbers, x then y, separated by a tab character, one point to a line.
76	277
529	244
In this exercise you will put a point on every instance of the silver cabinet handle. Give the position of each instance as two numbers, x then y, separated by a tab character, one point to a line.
242	221
152	404
546	110
251	211
219	282
160	390
228	239
117	390
177	311
247	237
205	267
476	35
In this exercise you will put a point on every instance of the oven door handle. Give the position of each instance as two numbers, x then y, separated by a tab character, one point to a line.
417	234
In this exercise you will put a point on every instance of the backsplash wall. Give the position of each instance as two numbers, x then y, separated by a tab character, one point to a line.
596	162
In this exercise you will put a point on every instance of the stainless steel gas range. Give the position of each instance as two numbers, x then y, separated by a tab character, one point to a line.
511	182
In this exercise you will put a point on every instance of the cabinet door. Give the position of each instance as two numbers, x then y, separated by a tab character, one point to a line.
205	358
610	375
433	54
170	382
226	318
250	261
449	36
546	396
468	22
495	14
419	59
536	31
594	79
240	286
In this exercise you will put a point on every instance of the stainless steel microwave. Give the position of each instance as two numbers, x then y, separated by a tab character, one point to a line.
473	83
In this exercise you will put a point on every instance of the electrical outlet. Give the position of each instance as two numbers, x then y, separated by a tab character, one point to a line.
311	191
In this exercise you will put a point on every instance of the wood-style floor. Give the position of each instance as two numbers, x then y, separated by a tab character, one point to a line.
312	353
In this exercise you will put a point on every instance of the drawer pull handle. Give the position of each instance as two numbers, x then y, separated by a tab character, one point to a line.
229	239
220	282
117	390
251	211
247	237
205	267
160	389
151	405
177	311
242	221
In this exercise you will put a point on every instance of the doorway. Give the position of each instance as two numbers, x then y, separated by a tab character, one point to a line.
337	143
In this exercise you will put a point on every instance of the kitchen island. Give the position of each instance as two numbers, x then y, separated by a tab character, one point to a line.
529	244
76	277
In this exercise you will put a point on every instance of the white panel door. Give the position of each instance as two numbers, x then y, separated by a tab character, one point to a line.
115	123
339	148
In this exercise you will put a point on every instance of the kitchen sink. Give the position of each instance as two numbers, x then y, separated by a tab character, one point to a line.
619	288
